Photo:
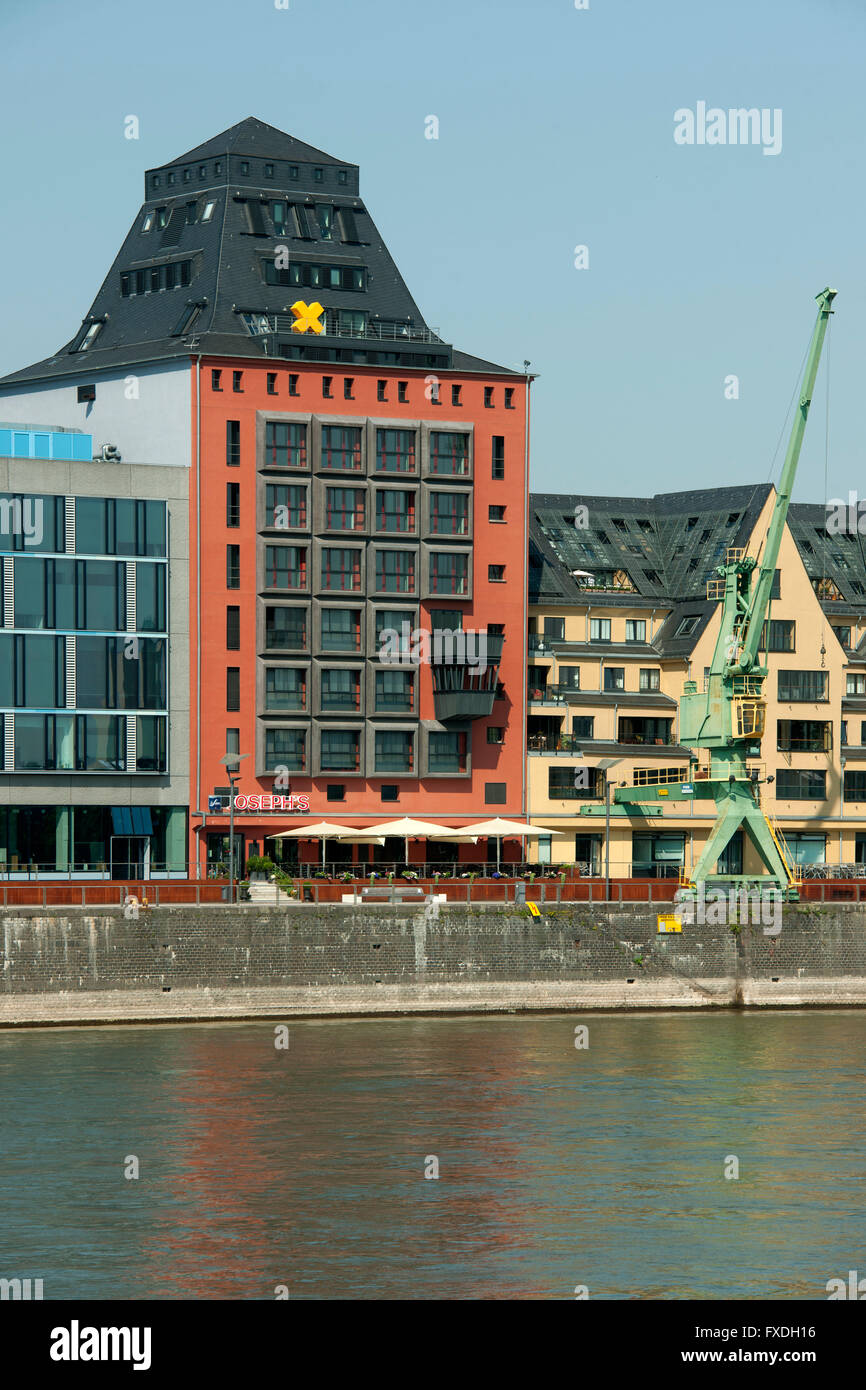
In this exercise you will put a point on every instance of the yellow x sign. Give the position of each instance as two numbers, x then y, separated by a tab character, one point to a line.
307	317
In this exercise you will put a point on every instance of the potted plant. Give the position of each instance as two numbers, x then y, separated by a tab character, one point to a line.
409	873
259	867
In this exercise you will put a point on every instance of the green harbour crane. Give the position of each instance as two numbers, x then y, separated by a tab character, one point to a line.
727	715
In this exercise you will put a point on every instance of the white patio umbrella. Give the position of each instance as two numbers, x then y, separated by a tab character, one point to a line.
407	827
323	830
502	830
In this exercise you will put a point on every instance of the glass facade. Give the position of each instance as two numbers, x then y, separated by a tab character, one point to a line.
79	650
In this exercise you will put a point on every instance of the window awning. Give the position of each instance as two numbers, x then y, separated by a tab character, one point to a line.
131	820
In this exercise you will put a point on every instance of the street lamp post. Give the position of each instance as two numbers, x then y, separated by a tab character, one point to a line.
606	838
603	765
230	761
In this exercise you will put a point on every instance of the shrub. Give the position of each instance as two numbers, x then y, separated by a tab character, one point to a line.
260	864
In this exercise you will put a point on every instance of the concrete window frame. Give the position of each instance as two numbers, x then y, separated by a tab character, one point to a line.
408	614
294	543
374	727
399	596
262	728
338	726
382	423
439	538
319	422
279	417
266	525
271	601
464	427
428	549
332	653
319	548
410	669
432	726
350	482
319	668
265	664
380	485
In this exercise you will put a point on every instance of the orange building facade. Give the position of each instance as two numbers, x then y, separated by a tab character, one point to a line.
332	504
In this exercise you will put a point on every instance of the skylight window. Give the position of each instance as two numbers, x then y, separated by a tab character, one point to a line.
687	626
187	319
257	324
149	218
86	335
207	214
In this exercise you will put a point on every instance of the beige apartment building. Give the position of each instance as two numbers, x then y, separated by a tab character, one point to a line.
619	619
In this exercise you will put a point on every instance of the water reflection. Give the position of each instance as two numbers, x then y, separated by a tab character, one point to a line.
557	1166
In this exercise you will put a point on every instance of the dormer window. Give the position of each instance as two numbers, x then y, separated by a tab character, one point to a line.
161	217
245	166
170	179
187	175
269	171
202	171
156	181
325	214
218	167
343	176
318	175
293	171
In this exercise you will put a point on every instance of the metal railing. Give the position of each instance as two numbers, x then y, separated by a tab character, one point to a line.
550	743
379	330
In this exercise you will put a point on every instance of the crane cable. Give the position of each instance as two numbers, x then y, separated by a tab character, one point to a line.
826	490
782	432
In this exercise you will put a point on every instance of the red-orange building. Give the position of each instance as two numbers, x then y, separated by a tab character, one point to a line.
347	483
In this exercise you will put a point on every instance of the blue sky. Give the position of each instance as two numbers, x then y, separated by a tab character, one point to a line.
555	130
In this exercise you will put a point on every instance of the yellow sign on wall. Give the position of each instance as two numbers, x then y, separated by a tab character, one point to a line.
308	317
668	922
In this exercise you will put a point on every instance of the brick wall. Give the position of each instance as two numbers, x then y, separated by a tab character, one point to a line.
217	947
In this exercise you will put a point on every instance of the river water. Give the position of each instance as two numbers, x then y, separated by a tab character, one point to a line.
304	1167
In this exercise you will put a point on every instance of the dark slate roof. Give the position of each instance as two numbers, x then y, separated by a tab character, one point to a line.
836	562
244	170
254	137
667	545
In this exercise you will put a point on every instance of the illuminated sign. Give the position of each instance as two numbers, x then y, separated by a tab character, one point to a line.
308	317
266	802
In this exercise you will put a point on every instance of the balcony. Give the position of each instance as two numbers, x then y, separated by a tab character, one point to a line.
468	703
461	688
551	694
548	743
339	326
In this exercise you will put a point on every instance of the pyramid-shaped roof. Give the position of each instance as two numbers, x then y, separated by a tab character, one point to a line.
197	271
254	137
